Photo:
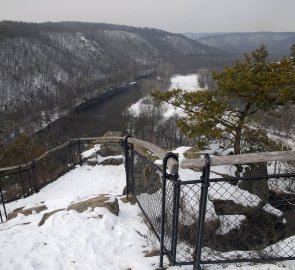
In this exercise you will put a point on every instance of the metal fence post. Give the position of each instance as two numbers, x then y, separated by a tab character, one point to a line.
3	204
22	180
202	213
71	154
35	181
163	210
176	199
74	154
79	149
127	163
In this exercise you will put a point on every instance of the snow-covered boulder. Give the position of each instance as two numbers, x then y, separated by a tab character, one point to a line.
26	211
107	201
92	161
112	161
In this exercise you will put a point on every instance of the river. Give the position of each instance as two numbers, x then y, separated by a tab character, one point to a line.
94	118
97	116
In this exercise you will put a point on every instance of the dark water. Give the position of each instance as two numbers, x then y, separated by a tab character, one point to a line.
94	118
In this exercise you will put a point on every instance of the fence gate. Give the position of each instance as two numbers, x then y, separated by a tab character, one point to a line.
213	220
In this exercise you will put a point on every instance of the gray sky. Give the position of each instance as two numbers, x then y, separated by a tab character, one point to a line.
171	15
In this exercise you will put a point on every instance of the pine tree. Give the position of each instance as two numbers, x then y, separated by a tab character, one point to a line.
243	90
293	50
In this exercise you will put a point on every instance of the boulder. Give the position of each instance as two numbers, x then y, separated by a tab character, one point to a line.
256	187
107	201
92	161
112	161
47	215
261	228
113	133
26	212
110	149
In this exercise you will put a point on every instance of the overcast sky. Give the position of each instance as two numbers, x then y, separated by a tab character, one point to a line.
171	15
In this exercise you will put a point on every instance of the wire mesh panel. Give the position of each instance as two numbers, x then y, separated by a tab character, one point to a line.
21	181
169	225
146	188
251	220
187	221
77	148
17	184
55	164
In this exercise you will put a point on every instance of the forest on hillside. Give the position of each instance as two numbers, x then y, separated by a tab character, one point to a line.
47	69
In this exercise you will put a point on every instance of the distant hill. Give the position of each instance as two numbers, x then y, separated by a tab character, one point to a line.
58	65
277	43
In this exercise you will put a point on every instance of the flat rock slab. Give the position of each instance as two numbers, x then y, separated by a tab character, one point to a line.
47	215
112	161
107	201
26	212
92	161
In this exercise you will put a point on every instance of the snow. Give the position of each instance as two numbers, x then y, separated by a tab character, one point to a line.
270	209
187	82
69	240
136	108
96	238
90	152
229	222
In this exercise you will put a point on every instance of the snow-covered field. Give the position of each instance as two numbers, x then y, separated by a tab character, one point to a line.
187	82
94	239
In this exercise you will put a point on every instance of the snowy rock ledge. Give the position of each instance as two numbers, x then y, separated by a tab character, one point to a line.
107	201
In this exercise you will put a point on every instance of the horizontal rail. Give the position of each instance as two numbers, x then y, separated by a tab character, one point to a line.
172	164
239	159
52	150
108	139
158	151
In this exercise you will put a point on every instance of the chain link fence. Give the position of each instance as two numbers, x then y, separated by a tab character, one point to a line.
216	220
21	181
202	221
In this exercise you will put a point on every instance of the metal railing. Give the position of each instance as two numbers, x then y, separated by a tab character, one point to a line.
215	220
201	221
25	179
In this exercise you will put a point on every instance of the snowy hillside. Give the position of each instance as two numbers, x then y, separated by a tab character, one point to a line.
50	66
91	239
277	43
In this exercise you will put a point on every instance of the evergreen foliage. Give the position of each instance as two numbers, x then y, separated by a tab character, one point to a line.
244	89
293	50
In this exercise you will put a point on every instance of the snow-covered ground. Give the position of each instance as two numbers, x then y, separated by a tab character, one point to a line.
94	239
69	240
187	82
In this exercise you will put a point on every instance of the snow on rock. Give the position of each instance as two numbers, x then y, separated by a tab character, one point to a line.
227	192
270	209
76	185
229	222
97	239
91	152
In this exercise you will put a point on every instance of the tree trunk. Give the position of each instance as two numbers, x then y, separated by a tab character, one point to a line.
237	143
